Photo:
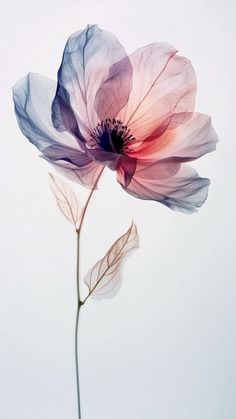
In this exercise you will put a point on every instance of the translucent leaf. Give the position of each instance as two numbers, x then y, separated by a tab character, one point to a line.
66	199
104	279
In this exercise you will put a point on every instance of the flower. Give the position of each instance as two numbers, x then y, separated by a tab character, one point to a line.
133	114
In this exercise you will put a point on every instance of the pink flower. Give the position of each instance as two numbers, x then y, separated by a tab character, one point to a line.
132	114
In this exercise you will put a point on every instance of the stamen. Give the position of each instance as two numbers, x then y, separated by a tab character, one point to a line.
111	135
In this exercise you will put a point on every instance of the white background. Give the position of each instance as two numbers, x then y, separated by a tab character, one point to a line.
164	348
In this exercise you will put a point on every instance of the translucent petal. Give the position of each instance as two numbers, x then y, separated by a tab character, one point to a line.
189	141
185	191
163	84
89	64
114	92
73	164
33	97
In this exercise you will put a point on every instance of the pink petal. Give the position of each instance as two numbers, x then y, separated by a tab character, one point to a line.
187	142
115	161
88	63
127	168
163	84
156	170
184	191
105	158
113	93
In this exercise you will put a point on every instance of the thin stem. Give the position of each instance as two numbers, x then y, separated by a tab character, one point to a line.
79	302
89	197
77	328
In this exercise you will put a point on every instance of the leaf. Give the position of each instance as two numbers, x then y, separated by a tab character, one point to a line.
104	279
66	199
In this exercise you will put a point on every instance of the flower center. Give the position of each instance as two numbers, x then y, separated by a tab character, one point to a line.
111	135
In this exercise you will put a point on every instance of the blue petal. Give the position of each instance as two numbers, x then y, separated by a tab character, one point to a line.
33	97
93	59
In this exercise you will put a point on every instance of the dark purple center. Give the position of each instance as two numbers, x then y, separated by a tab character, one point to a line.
112	136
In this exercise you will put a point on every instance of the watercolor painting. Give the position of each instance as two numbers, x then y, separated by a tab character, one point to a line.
121	303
